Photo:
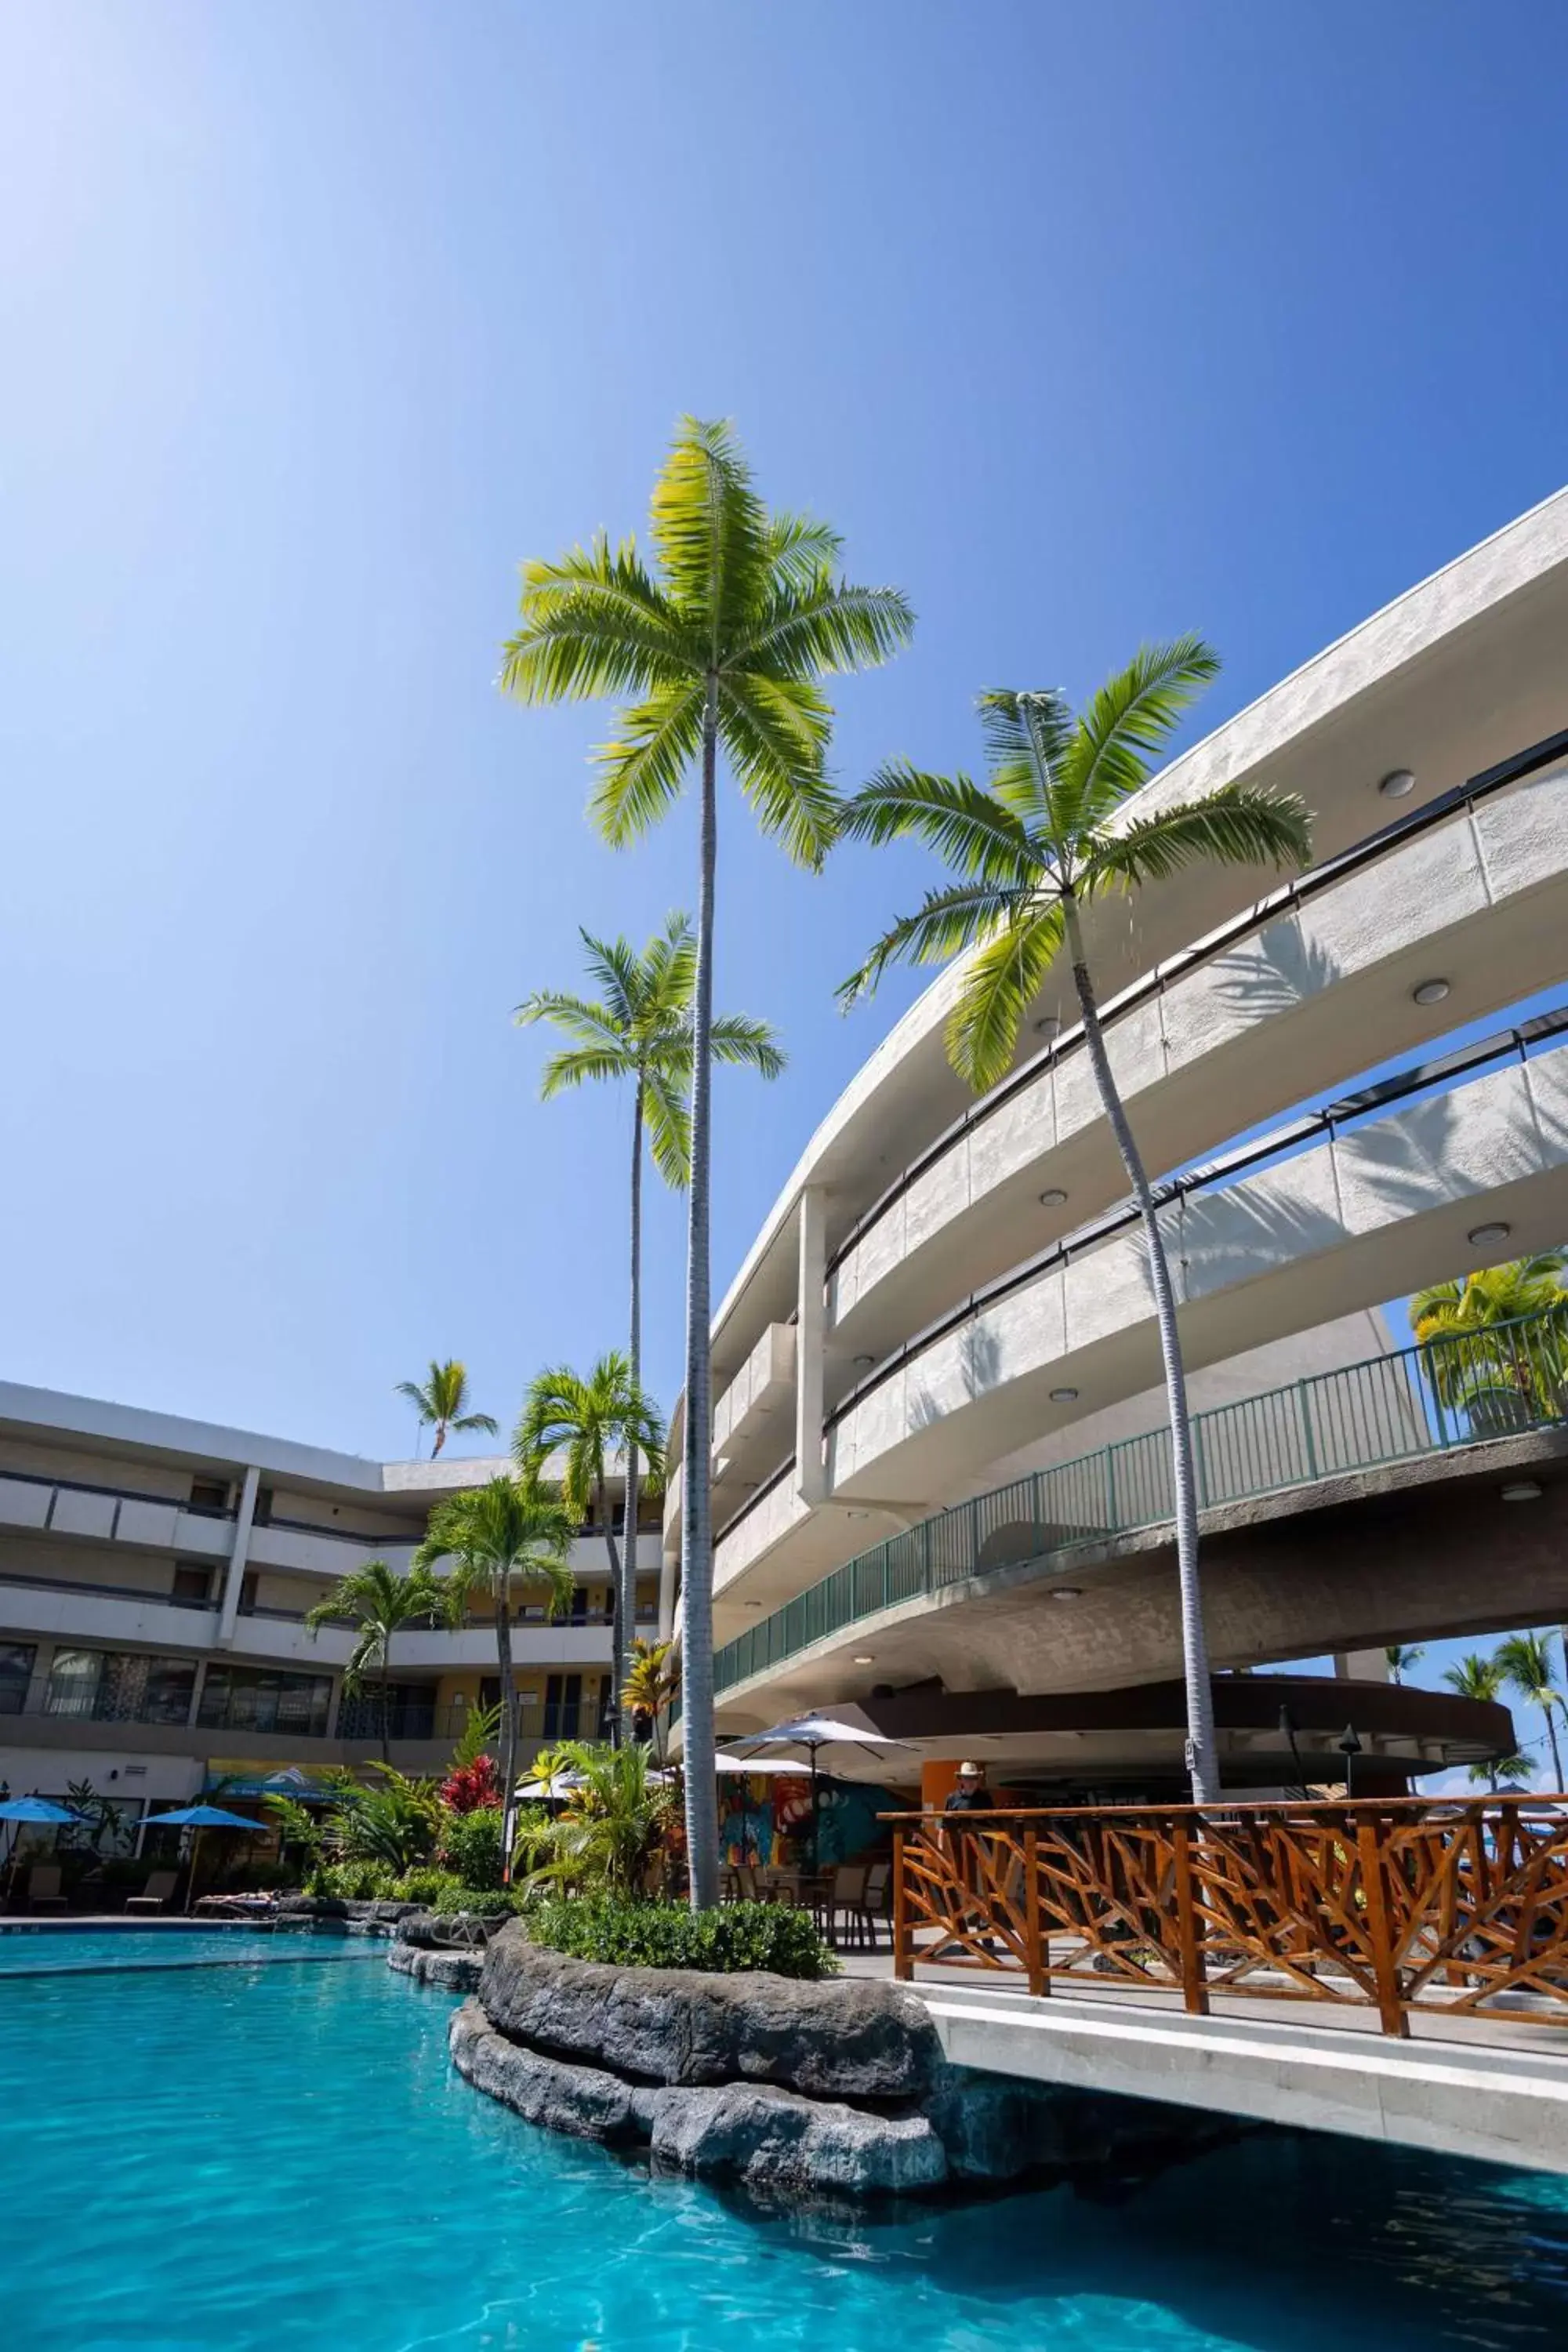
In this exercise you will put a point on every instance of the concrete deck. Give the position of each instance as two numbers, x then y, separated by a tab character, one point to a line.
1493	2088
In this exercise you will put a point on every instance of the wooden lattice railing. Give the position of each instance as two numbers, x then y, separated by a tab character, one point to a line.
1393	1903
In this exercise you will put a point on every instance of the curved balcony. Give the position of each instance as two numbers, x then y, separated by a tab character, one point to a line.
1473	891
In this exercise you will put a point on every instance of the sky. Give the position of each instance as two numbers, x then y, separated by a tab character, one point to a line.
1082	325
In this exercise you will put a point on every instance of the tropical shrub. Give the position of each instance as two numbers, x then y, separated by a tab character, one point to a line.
470	1846
468	1786
612	1826
353	1880
395	1823
740	1937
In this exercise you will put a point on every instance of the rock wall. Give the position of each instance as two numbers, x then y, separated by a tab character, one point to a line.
838	2089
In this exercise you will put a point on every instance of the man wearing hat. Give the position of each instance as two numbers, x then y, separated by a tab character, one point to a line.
971	1795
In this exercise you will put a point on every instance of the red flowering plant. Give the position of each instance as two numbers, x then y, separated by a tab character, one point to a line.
472	1788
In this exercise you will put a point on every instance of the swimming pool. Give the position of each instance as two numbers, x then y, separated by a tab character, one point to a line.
235	2157
25	1950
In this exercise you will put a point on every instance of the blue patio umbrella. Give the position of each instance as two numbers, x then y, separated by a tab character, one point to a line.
199	1818
32	1809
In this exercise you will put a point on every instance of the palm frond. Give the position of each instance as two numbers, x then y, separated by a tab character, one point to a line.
1025	748
640	773
970	831
710	529
946	922
775	733
592	623
798	548
1130	718
748	1044
668	1116
1236	824
998	986
585	1065
820	626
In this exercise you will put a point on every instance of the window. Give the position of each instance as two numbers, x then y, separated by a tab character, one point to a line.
262	1515
210	1496
15	1673
120	1686
579	1605
410	1712
192	1586
562	1706
241	1698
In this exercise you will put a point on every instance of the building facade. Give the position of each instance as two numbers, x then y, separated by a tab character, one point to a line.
155	1577
939	1357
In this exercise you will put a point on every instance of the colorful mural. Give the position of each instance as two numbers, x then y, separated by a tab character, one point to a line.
764	1822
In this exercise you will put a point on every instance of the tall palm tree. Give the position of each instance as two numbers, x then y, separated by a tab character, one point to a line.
1054	828
639	1028
506	1532
440	1400
1497	1341
721	646
1526	1662
591	1420
1402	1659
381	1603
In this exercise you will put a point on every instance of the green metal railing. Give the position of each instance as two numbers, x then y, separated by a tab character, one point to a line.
1424	1400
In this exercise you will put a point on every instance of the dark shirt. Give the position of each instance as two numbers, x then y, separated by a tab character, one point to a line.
968	1800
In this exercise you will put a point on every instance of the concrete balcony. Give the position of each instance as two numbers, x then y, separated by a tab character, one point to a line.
1319	982
751	1417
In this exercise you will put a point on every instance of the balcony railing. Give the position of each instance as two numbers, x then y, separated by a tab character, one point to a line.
1395	1408
1405	1905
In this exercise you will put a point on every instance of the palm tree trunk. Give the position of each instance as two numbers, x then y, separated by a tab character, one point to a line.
625	1616
696	1512
509	1718
1202	1765
601	1496
385	1705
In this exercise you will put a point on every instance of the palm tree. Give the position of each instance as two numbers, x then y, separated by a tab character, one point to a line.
1050	832
1402	1659
610	1824
440	1402
1526	1662
639	1027
381	1603
1497	1341
509	1530
592	1421
721	647
650	1684
1481	1678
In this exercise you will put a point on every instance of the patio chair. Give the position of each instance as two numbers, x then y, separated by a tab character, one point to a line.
157	1893
44	1887
844	1898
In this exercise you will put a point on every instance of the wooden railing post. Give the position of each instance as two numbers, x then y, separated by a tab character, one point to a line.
1033	1942
1194	1984
1374	1892
903	1954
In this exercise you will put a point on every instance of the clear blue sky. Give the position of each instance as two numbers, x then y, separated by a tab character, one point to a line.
1083	324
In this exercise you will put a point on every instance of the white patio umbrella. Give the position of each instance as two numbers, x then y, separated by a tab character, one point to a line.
814	1732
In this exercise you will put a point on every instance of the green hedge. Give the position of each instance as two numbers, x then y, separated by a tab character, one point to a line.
737	1936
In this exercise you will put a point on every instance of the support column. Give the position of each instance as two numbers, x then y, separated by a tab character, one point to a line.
810	1333
234	1576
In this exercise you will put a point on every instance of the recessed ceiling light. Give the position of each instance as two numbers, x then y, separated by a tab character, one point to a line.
1522	1490
864	1363
1064	1396
1049	1026
1053	1198
866	1660
752	1604
1431	992
1483	1237
1066	1593
1398	785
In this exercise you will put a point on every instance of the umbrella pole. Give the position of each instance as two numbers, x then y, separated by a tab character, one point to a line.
190	1880
816	1820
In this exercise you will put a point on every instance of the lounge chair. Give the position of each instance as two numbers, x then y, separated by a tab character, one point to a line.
44	1887
156	1894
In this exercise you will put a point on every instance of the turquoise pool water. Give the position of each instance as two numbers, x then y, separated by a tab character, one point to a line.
228	2158
61	1951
